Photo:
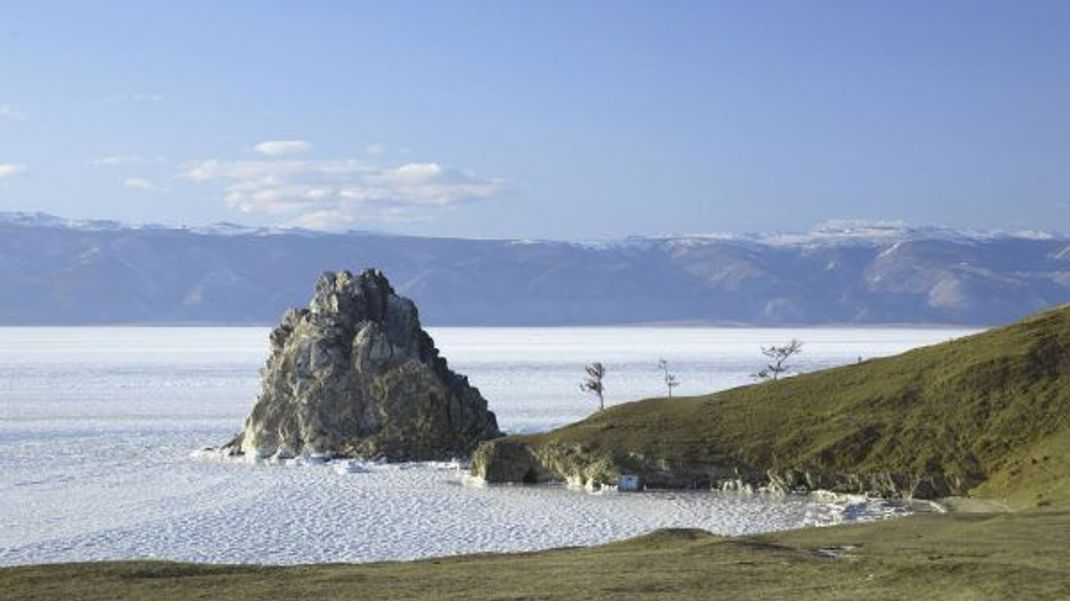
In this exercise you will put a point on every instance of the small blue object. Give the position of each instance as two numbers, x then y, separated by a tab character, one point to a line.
627	482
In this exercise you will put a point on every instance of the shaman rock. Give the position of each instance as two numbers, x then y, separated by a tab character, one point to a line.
355	375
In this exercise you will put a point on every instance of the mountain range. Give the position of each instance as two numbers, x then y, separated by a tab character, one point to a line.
59	271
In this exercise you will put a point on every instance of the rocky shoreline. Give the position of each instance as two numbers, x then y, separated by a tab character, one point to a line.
511	460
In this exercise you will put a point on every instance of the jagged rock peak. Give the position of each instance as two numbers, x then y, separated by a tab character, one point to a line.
355	375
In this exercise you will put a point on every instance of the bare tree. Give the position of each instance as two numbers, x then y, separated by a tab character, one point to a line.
778	357
670	379
592	384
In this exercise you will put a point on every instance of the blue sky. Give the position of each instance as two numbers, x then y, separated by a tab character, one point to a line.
538	119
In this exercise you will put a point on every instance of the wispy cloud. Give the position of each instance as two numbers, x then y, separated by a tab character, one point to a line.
145	185
278	148
122	159
10	170
10	111
334	194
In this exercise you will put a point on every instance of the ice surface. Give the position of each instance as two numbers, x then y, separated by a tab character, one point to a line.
97	426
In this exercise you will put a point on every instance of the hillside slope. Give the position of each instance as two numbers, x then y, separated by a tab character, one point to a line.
987	415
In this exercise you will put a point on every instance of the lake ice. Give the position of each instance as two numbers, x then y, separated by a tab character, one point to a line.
97	427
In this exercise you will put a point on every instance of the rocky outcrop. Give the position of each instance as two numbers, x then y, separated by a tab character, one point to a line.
355	375
513	459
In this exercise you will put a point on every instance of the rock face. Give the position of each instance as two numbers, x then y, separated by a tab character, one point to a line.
354	375
514	460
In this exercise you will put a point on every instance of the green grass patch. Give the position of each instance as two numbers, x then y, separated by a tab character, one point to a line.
988	414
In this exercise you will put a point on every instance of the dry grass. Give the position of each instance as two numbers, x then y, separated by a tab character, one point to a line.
958	556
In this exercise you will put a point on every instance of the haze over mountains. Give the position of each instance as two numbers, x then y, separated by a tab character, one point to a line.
57	271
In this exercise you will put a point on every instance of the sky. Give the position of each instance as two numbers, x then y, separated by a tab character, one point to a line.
564	120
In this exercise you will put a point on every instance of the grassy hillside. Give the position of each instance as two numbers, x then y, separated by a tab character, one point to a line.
987	415
976	557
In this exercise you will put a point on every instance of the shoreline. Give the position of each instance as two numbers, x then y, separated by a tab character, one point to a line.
569	515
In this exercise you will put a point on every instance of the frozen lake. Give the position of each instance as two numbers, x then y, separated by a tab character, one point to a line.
97	426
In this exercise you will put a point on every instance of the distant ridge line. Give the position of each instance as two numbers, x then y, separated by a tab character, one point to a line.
60	271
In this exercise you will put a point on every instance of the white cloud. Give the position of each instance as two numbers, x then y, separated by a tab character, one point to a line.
145	185
10	111
9	170
334	194
122	159
278	148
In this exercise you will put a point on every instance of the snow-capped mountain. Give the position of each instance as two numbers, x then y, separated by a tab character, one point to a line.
63	271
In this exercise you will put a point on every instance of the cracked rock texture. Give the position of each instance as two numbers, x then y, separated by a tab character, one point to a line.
355	375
